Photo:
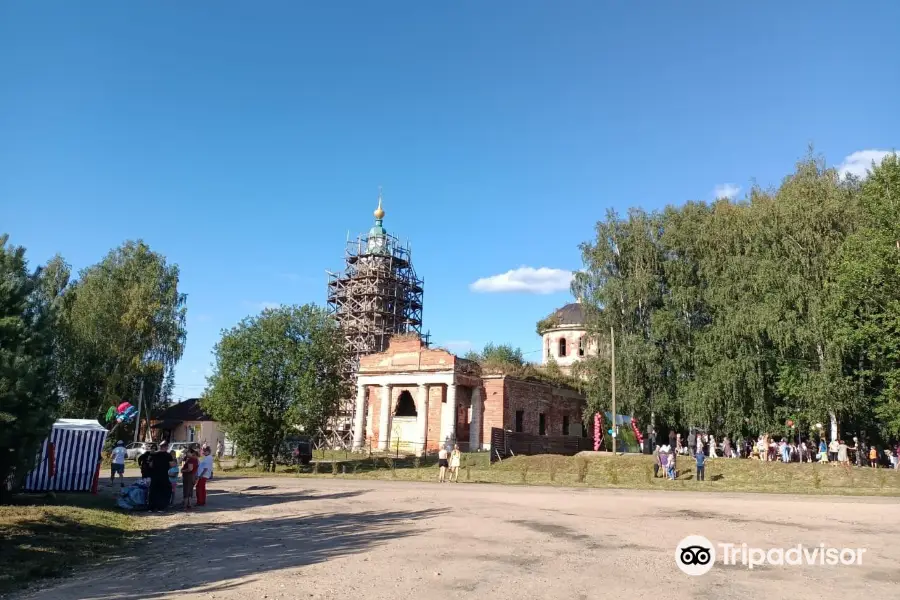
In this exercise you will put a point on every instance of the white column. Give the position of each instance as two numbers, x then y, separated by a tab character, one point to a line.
422	418
384	424
359	418
475	425
449	433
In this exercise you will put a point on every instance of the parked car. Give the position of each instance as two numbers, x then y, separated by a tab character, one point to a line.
134	450
296	450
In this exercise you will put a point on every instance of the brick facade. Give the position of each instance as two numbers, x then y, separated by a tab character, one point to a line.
502	396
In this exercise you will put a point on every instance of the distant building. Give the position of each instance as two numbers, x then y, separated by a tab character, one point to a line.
565	337
187	422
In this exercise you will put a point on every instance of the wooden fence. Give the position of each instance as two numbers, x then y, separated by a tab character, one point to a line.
508	443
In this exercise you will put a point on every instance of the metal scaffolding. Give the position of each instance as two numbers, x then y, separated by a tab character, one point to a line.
376	296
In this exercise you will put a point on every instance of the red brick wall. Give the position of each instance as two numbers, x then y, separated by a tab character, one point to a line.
536	398
494	397
435	398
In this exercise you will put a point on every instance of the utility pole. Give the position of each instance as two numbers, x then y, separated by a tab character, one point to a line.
612	345
137	420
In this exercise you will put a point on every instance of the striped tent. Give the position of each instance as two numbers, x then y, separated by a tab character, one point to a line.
68	458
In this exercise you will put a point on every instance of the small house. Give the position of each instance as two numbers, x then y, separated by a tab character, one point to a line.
188	422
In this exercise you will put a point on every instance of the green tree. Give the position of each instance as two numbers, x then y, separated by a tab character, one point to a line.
124	322
498	354
28	394
275	373
863	305
738	315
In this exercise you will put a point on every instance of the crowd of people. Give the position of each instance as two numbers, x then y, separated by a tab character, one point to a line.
162	468
702	446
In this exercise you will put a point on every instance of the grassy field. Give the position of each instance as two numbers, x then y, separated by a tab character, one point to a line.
48	536
607	471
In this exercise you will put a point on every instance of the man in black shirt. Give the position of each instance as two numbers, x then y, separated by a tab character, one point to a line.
160	489
144	462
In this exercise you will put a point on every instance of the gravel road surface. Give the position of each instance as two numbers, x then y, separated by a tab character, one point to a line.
318	539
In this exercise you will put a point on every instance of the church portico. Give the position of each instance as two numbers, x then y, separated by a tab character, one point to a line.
413	398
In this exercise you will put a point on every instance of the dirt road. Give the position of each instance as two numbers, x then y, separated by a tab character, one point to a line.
330	538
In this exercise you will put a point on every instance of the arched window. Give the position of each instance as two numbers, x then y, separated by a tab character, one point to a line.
562	347
406	406
581	346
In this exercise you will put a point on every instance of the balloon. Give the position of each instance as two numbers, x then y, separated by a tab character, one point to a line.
110	414
609	431
123	407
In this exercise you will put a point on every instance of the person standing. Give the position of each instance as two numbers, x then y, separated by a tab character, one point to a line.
653	437
443	464
189	476
118	464
220	449
204	473
832	451
160	489
143	462
173	476
454	464
701	465
843	454
672	440
691	440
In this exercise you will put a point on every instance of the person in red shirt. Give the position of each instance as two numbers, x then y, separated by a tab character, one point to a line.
189	476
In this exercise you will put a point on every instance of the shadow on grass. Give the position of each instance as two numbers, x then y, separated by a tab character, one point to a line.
48	536
220	554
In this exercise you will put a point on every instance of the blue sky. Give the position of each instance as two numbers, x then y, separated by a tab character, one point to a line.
244	140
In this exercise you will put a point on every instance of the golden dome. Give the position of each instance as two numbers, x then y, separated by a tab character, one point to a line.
379	212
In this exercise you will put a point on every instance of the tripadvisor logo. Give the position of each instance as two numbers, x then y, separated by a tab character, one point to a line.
696	555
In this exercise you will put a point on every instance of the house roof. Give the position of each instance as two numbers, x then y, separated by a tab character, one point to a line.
189	410
570	314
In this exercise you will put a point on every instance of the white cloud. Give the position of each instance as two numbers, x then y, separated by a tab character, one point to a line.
726	190
543	280
859	163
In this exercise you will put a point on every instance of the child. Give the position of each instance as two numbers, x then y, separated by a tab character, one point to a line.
173	477
873	457
118	464
671	465
701	466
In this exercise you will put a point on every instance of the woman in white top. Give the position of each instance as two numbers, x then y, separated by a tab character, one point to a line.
454	463
204	472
